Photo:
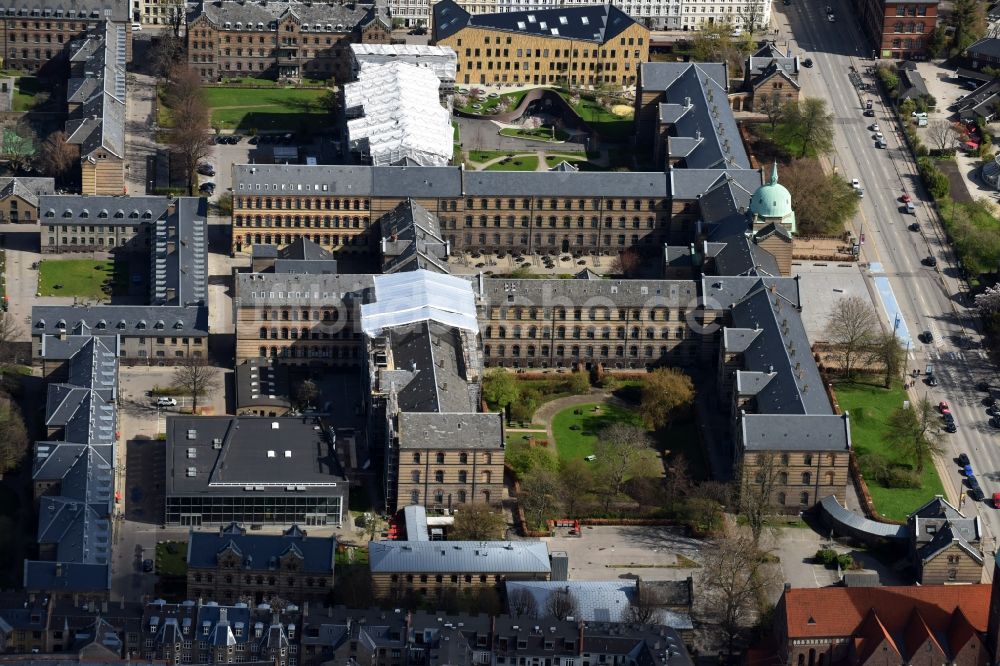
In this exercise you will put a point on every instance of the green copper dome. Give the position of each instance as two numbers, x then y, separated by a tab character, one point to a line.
771	199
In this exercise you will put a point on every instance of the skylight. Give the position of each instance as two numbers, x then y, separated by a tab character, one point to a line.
585	20
563	20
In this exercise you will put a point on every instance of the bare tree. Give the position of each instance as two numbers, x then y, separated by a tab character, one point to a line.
618	449
735	580
10	331
942	134
521	603
189	136
167	53
305	393
915	431
886	352
646	606
478	522
539	496
562	605
771	106
759	476
751	13
57	156
14	442
851	328
196	378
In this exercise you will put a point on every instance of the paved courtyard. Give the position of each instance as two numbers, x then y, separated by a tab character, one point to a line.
610	552
822	284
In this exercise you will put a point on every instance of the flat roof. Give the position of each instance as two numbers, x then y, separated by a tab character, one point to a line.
226	455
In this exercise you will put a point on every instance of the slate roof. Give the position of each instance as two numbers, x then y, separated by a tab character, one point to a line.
454	182
29	189
125	320
742	256
259	552
983	101
75	209
521	557
987	46
911	84
594	23
180	254
227	455
412	240
692	183
116	10
341	17
704	129
77	521
429	369
795	432
99	122
769	60
426	430
597	601
590	293
262	382
164	623
415	519
828	612
937	524
277	289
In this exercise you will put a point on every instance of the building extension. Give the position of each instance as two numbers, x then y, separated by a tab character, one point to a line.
284	40
19	198
253	470
585	46
897	29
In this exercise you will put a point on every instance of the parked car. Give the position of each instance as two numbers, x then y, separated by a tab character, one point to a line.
996	500
929	261
147	566
207	188
906	198
931	380
950	427
915	226
976	494
808	62
881	144
918	114
870	113
926	337
166	402
995	422
206	169
963	459
910	208
874	127
943	406
967	470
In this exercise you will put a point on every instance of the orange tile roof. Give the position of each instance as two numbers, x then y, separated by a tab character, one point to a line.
837	611
918	633
872	634
960	632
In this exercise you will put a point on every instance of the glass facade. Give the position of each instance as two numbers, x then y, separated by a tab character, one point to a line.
256	509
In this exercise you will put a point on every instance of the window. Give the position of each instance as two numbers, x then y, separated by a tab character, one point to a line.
806	478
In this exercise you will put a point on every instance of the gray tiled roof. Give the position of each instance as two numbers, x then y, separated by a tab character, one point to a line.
233	455
454	182
28	189
522	557
593	23
262	382
286	289
260	551
179	247
586	293
426	430
987	46
116	10
75	209
411	240
660	76
742	256
125	320
736	340
431	373
795	432
692	183
99	123
341	17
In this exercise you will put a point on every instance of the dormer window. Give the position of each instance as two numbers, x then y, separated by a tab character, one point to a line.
61	324
84	213
119	214
158	325
134	215
102	324
178	324
121	326
141	325
40	323
67	213
50	213
147	215
103	214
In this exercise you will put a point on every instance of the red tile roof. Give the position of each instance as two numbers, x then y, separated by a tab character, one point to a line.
837	611
872	634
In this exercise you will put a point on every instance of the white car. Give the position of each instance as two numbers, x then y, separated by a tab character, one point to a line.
830	18
874	127
855	183
166	402
878	136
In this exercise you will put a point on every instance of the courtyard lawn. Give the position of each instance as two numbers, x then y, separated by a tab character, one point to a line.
540	134
74	277
782	137
519	163
870	406
552	160
600	119
171	564
576	433
491	102
265	108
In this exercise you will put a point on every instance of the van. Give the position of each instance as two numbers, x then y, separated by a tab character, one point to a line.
910	208
922	122
136	26
166	402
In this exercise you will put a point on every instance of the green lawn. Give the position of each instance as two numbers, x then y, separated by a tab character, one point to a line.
171	564
576	433
511	438
265	109
870	406
600	119
74	277
572	158
782	137
540	134
33	93
522	163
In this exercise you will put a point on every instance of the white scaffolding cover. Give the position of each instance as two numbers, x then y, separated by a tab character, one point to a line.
442	60
403	117
415	296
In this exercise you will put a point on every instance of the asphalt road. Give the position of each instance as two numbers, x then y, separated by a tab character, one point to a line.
929	299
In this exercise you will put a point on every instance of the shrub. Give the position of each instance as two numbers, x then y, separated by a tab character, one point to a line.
899	477
874	466
935	181
845	562
825	556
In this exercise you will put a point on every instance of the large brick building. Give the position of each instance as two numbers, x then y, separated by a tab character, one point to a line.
897	29
587	46
35	33
233	566
283	39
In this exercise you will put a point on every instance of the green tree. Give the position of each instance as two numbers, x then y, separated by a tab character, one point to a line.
968	18
938	42
579	382
524	459
500	388
523	409
914	430
13	437
811	123
715	43
664	393
577	482
478	522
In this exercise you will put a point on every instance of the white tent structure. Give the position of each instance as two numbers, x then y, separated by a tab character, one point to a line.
416	296
442	60
402	120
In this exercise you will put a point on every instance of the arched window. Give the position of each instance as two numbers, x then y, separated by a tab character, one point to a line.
806	478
